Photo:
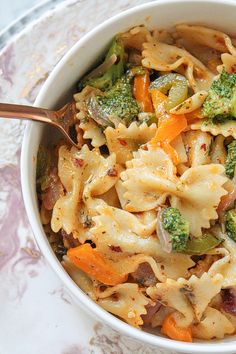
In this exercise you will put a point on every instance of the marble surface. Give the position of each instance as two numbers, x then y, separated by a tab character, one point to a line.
37	314
11	10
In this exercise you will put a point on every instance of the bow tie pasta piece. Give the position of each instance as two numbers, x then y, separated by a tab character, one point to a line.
165	57
117	240
122	221
169	294
168	262
226	129
100	173
227	264
198	194
211	38
228	63
213	325
200	291
90	129
109	242
198	144
139	180
125	301
84	174
79	277
207	37
218	150
130	264
156	159
124	140
66	208
189	297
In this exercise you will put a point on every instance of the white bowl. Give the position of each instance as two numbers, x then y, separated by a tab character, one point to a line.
219	14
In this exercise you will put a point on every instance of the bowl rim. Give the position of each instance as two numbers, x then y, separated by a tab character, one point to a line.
81	298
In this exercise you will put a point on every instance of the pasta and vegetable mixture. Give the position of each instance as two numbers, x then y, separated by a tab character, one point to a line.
142	214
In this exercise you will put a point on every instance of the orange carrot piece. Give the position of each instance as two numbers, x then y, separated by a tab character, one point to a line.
95	264
194	115
170	328
170	128
158	100
171	152
141	93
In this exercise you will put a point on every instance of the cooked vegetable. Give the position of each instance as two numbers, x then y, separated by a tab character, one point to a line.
141	93
178	228
220	103
136	70
227	201
118	102
229	300
231	160
94	264
202	245
171	152
178	235
169	129
175	85
170	328
148	118
43	164
158	100
230	223
43	168
105	80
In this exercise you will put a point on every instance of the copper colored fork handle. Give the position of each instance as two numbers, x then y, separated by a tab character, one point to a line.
43	115
16	111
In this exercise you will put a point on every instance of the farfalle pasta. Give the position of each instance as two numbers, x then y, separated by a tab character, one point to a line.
142	214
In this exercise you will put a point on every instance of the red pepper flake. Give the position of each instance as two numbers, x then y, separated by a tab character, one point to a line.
112	172
78	162
115	248
122	141
144	147
203	147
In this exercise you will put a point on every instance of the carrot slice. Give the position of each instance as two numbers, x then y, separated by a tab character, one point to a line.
170	328
194	116
141	93
95	264
171	152
170	128
158	100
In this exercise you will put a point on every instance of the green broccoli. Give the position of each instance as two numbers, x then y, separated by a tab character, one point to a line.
230	223
105	80
220	103
177	226
230	163
118	103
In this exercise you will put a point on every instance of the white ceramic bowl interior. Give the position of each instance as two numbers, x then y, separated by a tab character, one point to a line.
219	14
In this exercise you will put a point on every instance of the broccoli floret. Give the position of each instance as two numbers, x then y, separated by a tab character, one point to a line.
113	73
117	102
231	160
220	104
230	223
178	227
120	102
